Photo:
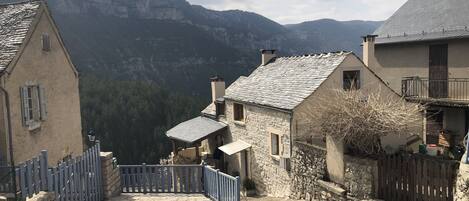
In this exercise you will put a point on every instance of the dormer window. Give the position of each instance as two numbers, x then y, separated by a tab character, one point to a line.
45	42
351	80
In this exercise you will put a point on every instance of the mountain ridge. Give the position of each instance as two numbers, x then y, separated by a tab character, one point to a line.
178	45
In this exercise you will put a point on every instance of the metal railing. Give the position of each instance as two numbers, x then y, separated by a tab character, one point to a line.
453	89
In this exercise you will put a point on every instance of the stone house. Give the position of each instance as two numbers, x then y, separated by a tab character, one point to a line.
42	84
258	116
421	53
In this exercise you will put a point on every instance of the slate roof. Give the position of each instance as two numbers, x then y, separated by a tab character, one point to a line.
286	81
421	20
195	129
15	21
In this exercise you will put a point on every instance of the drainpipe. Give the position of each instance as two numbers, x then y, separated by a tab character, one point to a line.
10	138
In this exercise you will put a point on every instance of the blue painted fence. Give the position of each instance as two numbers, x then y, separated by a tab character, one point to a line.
77	179
220	186
179	179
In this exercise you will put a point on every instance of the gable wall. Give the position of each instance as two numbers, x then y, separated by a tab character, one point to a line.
265	170
60	133
369	84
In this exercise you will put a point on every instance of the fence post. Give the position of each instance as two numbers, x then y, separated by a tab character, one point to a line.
217	174
144	178
238	188
44	167
204	185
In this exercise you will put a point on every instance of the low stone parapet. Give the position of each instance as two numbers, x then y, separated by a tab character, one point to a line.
111	176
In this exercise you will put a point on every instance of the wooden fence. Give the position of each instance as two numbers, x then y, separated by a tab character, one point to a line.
180	179
76	179
416	178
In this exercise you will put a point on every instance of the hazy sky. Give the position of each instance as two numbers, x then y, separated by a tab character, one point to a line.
295	11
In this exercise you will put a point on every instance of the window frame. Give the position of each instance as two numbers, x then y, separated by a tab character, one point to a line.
271	137
239	116
348	84
33	105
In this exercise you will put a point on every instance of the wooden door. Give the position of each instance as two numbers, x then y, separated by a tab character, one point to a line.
438	71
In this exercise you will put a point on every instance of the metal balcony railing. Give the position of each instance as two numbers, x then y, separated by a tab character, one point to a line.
454	89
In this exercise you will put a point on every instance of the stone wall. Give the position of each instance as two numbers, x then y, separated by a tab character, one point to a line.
310	179
308	167
361	176
43	196
264	169
462	183
111	176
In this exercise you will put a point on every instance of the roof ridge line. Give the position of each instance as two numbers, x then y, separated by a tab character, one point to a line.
317	54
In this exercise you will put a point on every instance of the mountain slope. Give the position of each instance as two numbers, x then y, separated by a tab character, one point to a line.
179	46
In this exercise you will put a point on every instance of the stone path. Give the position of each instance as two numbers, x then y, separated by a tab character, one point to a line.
160	197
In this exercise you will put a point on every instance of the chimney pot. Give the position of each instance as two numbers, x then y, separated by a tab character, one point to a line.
267	56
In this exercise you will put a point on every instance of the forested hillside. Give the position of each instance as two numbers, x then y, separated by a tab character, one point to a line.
146	64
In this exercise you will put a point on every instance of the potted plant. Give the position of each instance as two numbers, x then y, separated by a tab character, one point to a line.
249	187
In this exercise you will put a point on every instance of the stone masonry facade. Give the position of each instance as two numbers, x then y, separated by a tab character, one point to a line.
111	176
310	180
265	170
308	166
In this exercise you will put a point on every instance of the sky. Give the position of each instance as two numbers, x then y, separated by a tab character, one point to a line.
296	11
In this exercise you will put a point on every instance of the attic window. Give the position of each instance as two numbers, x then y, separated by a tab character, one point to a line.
351	80
220	108
45	42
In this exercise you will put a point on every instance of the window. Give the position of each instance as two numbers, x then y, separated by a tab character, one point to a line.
274	144
220	108
238	112
351	80
33	99
45	42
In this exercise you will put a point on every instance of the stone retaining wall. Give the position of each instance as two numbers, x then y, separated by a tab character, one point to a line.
462	183
310	180
308	167
361	177
111	176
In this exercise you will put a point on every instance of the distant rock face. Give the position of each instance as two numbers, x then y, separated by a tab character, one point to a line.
144	9
180	45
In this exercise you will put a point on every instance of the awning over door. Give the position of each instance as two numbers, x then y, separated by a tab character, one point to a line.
195	130
234	147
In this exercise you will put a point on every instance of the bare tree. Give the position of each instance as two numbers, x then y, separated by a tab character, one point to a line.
360	121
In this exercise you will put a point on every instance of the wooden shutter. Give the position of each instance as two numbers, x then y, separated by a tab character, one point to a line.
42	102
45	42
24	105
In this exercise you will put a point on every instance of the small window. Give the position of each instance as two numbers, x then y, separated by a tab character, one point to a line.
351	80
33	101
220	108
238	112
45	42
274	144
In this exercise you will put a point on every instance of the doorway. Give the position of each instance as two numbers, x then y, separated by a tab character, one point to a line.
438	71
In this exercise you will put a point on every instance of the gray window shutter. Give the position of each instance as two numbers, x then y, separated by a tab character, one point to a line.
24	105
42	102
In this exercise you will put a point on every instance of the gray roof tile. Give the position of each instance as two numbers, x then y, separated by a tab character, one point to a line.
419	20
286	81
15	21
195	129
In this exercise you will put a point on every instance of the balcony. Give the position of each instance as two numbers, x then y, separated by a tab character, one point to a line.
450	91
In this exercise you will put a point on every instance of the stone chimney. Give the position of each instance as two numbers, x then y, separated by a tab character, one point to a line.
267	56
218	87
369	49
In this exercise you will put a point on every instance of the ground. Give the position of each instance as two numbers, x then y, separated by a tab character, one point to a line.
182	197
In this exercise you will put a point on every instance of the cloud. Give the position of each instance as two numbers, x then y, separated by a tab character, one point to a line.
295	11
